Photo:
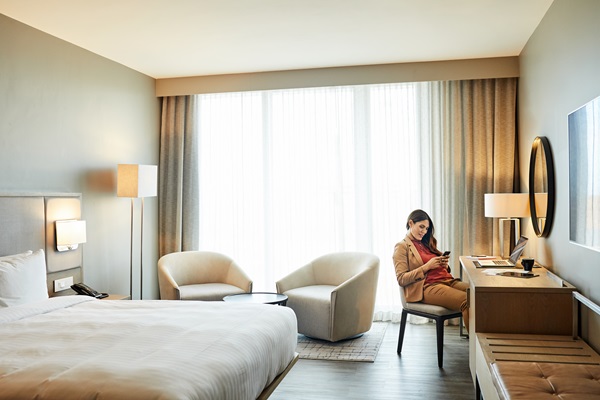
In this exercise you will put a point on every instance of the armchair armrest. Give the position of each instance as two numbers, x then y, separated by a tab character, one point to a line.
353	302
169	290
237	277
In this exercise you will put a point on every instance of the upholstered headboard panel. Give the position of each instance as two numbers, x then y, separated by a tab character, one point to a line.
22	220
27	223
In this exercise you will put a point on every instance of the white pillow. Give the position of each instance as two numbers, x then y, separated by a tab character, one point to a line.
20	255
23	278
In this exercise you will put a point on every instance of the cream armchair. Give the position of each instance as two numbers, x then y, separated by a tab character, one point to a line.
333	296
200	275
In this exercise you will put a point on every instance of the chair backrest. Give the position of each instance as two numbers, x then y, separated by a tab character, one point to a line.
190	267
336	268
402	296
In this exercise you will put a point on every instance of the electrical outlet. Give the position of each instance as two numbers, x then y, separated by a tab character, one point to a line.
63	284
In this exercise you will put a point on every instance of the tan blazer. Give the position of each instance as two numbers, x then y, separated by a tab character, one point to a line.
409	273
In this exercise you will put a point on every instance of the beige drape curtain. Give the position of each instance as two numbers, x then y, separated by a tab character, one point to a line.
478	130
467	132
178	201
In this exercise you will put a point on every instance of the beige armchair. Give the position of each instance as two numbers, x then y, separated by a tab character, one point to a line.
200	275
333	296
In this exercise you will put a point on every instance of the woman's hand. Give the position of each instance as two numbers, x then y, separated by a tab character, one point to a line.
436	262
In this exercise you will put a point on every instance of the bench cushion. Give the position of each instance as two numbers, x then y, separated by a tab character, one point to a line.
533	380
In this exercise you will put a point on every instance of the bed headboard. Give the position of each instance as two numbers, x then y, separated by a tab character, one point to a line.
27	222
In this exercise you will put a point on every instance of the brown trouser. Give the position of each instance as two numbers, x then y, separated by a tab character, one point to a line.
451	294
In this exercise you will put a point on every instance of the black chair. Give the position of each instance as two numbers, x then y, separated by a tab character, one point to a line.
437	313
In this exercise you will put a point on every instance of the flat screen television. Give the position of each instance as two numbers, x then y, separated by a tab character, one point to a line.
584	175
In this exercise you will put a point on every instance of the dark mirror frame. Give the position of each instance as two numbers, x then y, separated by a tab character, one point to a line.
540	144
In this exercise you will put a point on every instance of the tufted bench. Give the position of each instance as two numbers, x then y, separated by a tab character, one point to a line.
528	380
519	366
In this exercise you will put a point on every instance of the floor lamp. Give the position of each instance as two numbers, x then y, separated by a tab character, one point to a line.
509	207
136	181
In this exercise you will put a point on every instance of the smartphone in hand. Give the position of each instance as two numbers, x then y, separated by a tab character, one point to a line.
446	253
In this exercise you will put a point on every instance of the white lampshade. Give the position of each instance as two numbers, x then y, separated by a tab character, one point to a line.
506	205
135	180
69	234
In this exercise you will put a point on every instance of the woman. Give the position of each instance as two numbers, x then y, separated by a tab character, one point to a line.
423	271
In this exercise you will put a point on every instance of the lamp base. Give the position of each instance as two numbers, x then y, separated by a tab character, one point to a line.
510	231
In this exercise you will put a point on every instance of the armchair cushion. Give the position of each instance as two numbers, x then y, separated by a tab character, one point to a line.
207	291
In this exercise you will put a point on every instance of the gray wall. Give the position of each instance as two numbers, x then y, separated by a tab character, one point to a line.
67	114
560	71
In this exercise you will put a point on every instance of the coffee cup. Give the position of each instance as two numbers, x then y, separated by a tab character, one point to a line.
527	264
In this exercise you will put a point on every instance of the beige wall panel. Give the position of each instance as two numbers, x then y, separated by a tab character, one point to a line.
65	114
357	75
559	73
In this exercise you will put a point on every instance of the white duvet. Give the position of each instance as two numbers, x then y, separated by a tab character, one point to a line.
76	347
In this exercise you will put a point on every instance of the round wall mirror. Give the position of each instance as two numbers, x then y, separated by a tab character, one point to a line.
541	186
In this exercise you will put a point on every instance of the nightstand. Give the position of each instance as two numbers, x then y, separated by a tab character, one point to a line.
116	297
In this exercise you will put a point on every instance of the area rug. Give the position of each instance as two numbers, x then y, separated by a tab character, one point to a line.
363	348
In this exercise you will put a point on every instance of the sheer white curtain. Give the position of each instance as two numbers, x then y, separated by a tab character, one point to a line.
286	176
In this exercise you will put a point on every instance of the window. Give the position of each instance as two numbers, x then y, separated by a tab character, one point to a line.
289	175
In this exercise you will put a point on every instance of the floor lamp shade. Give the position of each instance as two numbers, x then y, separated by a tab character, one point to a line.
135	180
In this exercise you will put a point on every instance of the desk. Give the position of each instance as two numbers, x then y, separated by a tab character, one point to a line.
499	304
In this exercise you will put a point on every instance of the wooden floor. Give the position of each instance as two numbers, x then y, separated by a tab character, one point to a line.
415	375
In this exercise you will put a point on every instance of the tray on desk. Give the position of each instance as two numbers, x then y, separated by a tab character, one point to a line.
517	274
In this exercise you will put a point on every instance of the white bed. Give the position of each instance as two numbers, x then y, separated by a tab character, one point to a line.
77	347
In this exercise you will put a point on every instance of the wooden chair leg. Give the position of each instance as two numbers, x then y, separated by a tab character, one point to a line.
439	327
402	329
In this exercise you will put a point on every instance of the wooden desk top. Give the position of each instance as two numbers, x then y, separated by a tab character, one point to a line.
546	280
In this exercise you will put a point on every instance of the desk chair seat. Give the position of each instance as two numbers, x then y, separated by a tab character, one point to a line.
438	313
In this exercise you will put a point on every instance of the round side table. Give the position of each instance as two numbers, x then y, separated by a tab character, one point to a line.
257	298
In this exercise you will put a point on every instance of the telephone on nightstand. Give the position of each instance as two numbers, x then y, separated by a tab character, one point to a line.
82	288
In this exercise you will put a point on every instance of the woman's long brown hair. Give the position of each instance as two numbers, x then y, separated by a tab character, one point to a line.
429	239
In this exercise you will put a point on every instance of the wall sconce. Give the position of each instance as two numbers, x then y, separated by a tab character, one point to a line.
509	207
135	181
69	234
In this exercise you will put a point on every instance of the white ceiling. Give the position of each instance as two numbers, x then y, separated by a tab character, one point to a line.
176	38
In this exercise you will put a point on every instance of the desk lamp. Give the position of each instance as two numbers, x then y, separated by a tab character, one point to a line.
509	207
